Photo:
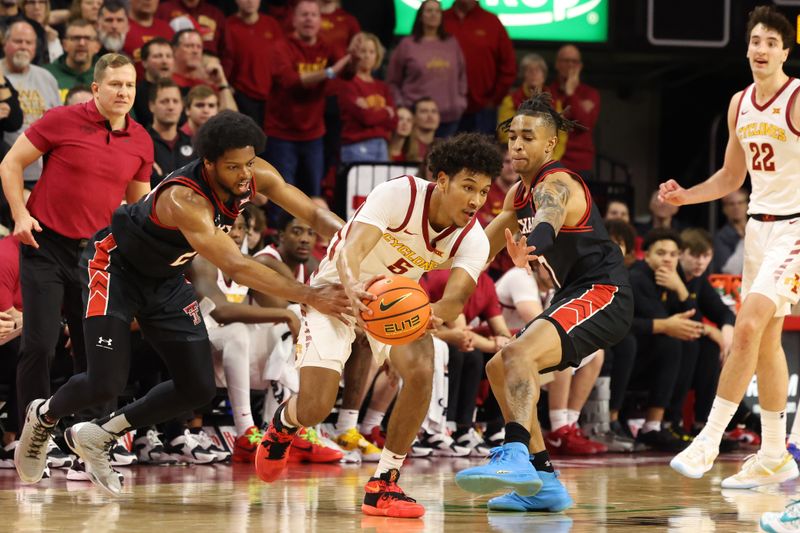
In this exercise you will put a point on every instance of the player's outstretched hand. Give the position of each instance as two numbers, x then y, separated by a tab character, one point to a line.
24	228
672	193
332	300
519	251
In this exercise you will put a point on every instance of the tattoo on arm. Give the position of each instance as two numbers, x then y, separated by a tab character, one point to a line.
550	199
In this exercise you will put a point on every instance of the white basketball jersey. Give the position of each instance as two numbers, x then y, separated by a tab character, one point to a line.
409	246
233	292
771	146
270	250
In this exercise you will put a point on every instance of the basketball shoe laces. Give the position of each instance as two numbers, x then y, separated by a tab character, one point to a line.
40	438
255	436
310	435
277	442
496	454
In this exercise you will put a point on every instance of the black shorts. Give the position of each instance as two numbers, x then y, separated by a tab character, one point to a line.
166	308
587	320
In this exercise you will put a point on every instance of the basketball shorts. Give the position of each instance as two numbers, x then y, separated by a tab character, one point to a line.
326	342
165	308
772	262
587	320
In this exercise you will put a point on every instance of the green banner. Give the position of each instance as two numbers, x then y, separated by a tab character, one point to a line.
531	20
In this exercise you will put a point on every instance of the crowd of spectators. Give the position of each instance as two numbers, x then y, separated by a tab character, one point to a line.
314	79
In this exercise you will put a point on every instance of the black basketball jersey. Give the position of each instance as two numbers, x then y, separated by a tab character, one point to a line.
156	250
581	255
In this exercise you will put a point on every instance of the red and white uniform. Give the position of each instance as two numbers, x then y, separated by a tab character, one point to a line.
299	272
771	143
409	246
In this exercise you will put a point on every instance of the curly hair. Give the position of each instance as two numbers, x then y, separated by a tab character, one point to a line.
228	130
774	20
472	152
541	105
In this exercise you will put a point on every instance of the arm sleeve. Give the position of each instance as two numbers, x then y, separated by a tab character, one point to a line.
473	252
381	207
711	305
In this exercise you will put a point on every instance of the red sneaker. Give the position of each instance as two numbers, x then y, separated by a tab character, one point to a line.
307	447
377	437
569	440
744	436
384	498
272	453
245	445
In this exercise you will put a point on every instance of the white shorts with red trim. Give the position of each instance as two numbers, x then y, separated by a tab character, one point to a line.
772	262
326	342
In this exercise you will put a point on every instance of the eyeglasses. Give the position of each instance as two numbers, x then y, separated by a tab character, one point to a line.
78	38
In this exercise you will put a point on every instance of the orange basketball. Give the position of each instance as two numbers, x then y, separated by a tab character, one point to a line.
400	313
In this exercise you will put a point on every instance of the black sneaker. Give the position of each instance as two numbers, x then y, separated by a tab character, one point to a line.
662	440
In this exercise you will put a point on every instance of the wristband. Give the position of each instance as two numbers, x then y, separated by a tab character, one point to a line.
542	237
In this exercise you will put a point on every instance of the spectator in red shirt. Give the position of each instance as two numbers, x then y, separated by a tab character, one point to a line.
192	68
74	198
338	27
112	27
429	63
10	322
207	18
491	62
202	103
584	106
368	115
401	136
533	73
295	125
248	57
143	26
426	122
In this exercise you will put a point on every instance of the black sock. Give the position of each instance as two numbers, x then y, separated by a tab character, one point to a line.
541	462
517	433
276	420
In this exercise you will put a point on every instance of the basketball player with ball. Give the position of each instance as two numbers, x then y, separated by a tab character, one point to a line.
407	226
561	229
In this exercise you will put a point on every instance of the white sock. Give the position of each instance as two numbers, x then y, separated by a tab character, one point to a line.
117	424
773	434
572	417
236	365
388	461
722	412
348	418
372	418
651	425
285	421
558	418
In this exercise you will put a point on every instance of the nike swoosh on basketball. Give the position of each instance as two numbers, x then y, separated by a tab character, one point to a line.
386	307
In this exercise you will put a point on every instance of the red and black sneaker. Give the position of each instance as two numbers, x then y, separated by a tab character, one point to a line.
384	498
272	452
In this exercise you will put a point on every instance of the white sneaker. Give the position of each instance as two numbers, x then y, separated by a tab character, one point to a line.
30	455
786	522
349	457
756	472
418	451
7	455
208	444
187	449
120	456
474	442
150	450
79	472
56	458
443	445
92	444
696	459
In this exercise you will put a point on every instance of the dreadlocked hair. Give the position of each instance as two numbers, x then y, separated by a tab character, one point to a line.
541	105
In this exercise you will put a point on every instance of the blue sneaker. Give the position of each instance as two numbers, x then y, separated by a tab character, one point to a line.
553	497
794	450
509	467
785	522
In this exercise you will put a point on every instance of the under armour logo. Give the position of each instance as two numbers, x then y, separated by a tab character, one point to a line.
104	343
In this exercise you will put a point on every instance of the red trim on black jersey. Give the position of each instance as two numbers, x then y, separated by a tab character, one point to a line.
426	209
413	185
739	106
774	96
580	309
520	196
220	205
586	193
463	234
789	111
99	277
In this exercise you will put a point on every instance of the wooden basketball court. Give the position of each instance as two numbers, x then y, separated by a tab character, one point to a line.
612	493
